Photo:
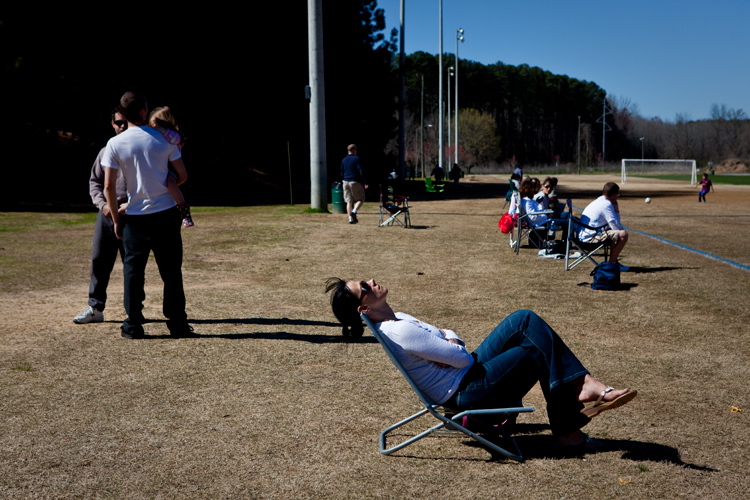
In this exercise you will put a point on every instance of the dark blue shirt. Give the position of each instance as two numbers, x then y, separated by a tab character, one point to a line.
351	169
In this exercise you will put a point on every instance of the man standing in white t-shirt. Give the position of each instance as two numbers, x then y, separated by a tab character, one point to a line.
602	212
153	220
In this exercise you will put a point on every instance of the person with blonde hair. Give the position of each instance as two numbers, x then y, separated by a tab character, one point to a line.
163	120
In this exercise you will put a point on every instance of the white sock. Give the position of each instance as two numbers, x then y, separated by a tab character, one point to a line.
350	218
354	212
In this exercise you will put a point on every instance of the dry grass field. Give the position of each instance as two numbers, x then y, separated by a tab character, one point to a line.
270	402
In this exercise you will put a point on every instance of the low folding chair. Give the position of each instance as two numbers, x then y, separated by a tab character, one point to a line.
391	211
586	249
524	229
454	423
433	187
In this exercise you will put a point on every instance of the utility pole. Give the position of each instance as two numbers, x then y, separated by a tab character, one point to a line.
440	92
402	101
458	37
605	128
421	126
318	165
578	155
448	121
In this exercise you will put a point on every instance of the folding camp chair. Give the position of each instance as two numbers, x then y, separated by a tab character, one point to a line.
391	211
586	249
512	191
433	187
454	423
524	229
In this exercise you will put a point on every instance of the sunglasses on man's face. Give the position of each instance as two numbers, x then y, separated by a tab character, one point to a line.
120	123
365	290
547	186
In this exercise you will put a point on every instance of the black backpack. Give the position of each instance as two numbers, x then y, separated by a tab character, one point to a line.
606	276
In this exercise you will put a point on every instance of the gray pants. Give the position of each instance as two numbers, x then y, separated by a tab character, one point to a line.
103	257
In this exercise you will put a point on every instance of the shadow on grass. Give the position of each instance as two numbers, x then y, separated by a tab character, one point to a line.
536	446
539	446
263	321
313	339
648	270
623	287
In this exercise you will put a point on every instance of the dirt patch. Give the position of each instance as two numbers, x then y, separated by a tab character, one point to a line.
271	402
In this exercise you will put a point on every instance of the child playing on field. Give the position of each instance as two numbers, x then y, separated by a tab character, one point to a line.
705	184
162	120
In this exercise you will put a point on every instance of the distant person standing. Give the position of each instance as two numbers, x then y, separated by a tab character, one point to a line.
106	244
705	184
354	182
455	173
438	173
153	219
518	171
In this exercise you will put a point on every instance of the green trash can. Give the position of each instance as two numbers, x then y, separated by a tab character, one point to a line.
337	198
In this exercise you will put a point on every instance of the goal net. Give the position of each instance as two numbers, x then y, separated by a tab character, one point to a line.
659	167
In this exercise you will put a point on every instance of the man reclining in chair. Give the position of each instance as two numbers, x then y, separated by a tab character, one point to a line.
602	212
520	351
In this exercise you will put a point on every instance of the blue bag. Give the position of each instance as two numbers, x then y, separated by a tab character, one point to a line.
606	276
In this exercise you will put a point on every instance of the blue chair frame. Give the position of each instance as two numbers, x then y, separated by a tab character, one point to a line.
430	406
585	249
523	228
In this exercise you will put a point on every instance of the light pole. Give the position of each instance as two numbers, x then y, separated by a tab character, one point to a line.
450	75
440	91
642	138
459	36
578	147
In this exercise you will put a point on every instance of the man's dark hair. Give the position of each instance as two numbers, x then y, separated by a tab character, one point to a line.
344	304
610	188
131	104
116	109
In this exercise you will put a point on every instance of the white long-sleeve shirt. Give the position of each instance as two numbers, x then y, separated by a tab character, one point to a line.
419	347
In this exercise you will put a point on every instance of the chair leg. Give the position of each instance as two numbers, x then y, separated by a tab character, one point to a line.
454	425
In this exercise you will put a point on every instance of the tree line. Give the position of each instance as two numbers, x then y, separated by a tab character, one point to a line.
238	92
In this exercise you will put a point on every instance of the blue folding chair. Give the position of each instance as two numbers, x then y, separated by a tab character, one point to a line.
430	406
585	249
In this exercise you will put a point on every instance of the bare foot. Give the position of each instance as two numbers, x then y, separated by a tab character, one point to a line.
591	389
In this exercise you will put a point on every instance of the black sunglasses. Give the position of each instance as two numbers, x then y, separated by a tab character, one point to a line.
365	290
547	186
120	123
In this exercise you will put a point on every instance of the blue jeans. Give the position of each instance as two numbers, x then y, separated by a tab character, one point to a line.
521	351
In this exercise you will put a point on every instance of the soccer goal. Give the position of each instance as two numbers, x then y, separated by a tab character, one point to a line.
659	167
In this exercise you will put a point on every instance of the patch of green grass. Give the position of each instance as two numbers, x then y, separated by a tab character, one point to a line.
311	210
15	222
642	468
734	180
23	367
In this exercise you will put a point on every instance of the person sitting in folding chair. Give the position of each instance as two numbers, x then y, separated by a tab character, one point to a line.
520	351
604	211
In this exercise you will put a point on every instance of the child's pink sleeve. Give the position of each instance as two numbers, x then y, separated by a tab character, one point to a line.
172	137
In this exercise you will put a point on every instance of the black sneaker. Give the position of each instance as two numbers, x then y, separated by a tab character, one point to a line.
182	331
138	334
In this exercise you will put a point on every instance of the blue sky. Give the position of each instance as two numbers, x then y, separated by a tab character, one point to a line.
666	56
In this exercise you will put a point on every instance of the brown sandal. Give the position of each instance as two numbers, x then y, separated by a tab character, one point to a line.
600	406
